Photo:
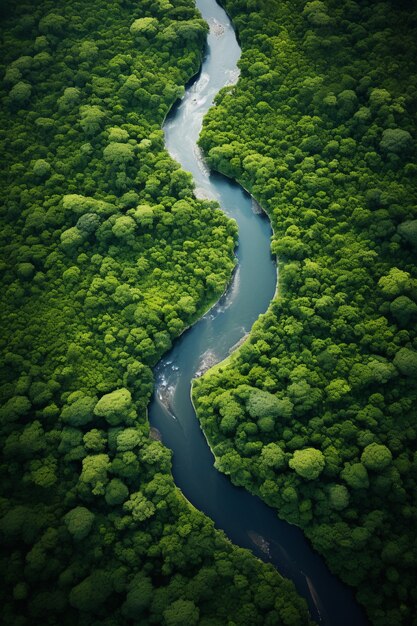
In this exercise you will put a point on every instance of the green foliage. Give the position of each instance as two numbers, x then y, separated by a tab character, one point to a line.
376	456
124	228
94	440
139	507
406	362
116	492
180	613
128	439
403	309
71	239
408	230
116	407
90	594
94	473
106	257
118	154
14	408
41	168
394	283
396	140
262	404
320	130
80	411
272	456
79	522
138	597
20	93
339	497
355	475
308	463
91	119
144	26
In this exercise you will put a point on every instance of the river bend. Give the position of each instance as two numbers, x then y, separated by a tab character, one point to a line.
245	519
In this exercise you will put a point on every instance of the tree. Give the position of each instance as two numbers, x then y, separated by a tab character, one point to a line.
181	613
376	457
119	154
303	395
41	168
405	361
71	239
88	223
118	134
144	26
14	408
124	228
126	465
394	283
43	472
80	205
95	440
91	119
69	99
381	371
408	230
87	51
139	507
378	98
266	424
272	456
339	497
264	404
53	23
396	140
355	475
80	411
116	407
94	473
129	439
20	93
316	13
308	463
71	439
337	389
90	594
116	492
143	215
79	522
138	597
403	309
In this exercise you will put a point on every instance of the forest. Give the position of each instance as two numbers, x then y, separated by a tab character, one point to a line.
316	412
106	257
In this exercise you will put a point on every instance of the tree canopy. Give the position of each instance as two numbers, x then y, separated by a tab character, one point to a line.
320	129
106	256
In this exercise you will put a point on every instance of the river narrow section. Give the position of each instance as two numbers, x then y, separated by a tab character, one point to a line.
245	519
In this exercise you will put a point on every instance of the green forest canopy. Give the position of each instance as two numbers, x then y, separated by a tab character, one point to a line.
106	257
321	130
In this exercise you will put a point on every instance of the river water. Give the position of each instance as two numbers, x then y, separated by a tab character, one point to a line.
245	519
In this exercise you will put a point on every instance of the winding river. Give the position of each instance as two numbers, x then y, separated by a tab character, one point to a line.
245	519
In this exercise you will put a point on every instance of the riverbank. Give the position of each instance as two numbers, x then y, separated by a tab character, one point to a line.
245	519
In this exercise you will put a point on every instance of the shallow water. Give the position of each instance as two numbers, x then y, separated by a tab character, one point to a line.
246	520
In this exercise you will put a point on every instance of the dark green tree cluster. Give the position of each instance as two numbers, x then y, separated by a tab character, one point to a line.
316	412
105	258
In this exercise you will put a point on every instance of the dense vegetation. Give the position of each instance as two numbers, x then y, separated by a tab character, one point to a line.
316	412
106	257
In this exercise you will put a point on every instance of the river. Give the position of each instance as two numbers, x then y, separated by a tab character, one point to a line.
245	519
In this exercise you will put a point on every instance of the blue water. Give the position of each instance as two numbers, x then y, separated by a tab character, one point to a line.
245	519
